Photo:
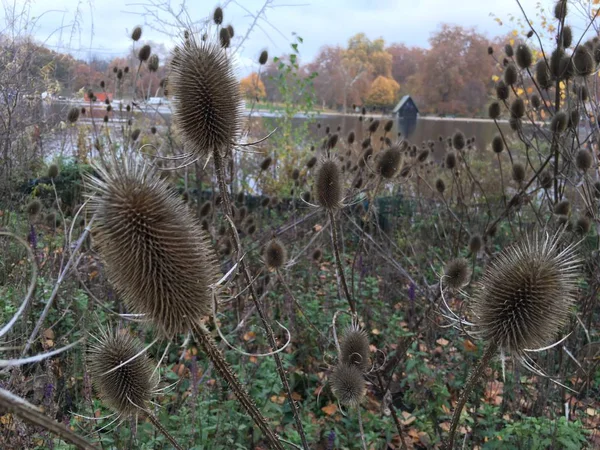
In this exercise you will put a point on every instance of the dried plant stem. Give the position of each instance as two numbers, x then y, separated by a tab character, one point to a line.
338	262
393	411
219	169
29	413
362	430
225	370
462	400
163	430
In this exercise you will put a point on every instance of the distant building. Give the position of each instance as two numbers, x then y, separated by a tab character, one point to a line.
406	108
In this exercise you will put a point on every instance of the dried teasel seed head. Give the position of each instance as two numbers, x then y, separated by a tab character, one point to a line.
374	126
311	162
546	179
53	171
351	138
542	74
275	254
218	16
155	254
493	110
207	97
583	159
490	50
332	141
566	68
354	348
560	9
136	34
328	185
458	140
348	385
518	172
555	62
34	207
582	225
205	209
317	255
535	101
225	38
502	90
144	53
559	122
517	108
295	174
127	389
388	126
389	162
511	74
567	36
263	58
525	294
153	63
423	155
251	229
581	92
475	243
523	56
266	163
450	160
497	144
231	30
457	273
562	208
135	134
365	156
73	115
508	49
440	186
583	61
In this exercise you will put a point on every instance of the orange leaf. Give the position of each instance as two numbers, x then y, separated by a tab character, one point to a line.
329	409
296	396
443	342
249	335
469	346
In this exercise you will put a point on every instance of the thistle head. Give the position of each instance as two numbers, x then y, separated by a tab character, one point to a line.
328	185
275	254
457	273
348	384
354	348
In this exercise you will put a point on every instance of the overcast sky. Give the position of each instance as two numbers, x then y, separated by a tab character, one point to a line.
102	27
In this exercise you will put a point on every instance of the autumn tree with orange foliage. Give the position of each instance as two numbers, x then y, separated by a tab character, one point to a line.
383	93
252	87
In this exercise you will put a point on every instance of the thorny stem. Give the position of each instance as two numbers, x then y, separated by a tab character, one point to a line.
462	400
163	430
225	370
218	161
338	262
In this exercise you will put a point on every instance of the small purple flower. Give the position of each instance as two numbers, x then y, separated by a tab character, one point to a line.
48	391
32	237
331	440
411	292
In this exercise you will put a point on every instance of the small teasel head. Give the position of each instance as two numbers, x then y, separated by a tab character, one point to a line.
136	34
517	108
502	90
583	159
518	172
450	160
583	61
475	244
560	9
354	348
525	294
582	225
440	186
374	126
567	36
73	115
266	163
523	56
144	53
497	144
263	58
508	50
218	15
317	255
129	388
494	110
511	74
535	101
275	254
458	140
559	121
457	273
34	207
328	185
562	208
389	162
546	179
205	209
224	37
53	171
348	384
135	134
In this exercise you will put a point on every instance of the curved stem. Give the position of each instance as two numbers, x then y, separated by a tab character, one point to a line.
462	400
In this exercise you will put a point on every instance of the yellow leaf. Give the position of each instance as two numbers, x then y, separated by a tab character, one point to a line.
375	331
515	33
279	399
512	42
329	409
249	335
520	91
495	78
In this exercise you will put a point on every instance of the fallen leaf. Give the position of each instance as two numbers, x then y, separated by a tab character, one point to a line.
329	409
296	396
249	335
443	342
469	346
279	399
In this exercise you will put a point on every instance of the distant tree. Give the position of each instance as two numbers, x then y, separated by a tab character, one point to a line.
383	93
252	87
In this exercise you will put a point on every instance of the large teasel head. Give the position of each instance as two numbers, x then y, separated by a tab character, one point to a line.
155	253
125	389
207	97
526	292
354	348
348	384
328	184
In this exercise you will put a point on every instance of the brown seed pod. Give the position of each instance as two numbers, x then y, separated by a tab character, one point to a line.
317	255
562	208
251	229
354	348
490	50
457	273
332	141
517	108
535	101
205	209
127	389
389	162
218	16
144	53
311	162
53	171
559	121
153	63
582	225
388	126
497	144
207	97
135	134
525	294
351	137
348	385
523	56
502	90
475	243
583	159
266	163
155	254
263	58
542	74
546	179
440	186
373	126
518	172
224	38
583	61
458	140
508	49
423	155
328	185
493	110
136	34
365	156
560	9
73	115
231	30
34	207
450	160
511	74
275	254
567	36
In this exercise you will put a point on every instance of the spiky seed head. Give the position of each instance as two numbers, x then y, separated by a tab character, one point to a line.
306	196
328	185
502	90
251	229
332	141
144	53
263	58
218	15
73	115
450	160
354	348
317	255
546	179
351	138
582	225
205	209
365	156
405	172
583	159
508	49
583	61
535	101
567	36
440	186
327	129
295	174
555	62
128	388
497	144
231	30
34	207
207	97
153	129
366	143
523	56
529	33
562	208
388	126
156	255
389	162
153	63
475	244
558	124
511	74
224	37
348	384
275	254
136	34
458	140
518	172
135	134
566	68
494	110
457	273
53	171
311	162
517	108
423	155
266	163
490	50
373	126
560	9
525	293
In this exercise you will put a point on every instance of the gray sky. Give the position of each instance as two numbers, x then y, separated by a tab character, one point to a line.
102	27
